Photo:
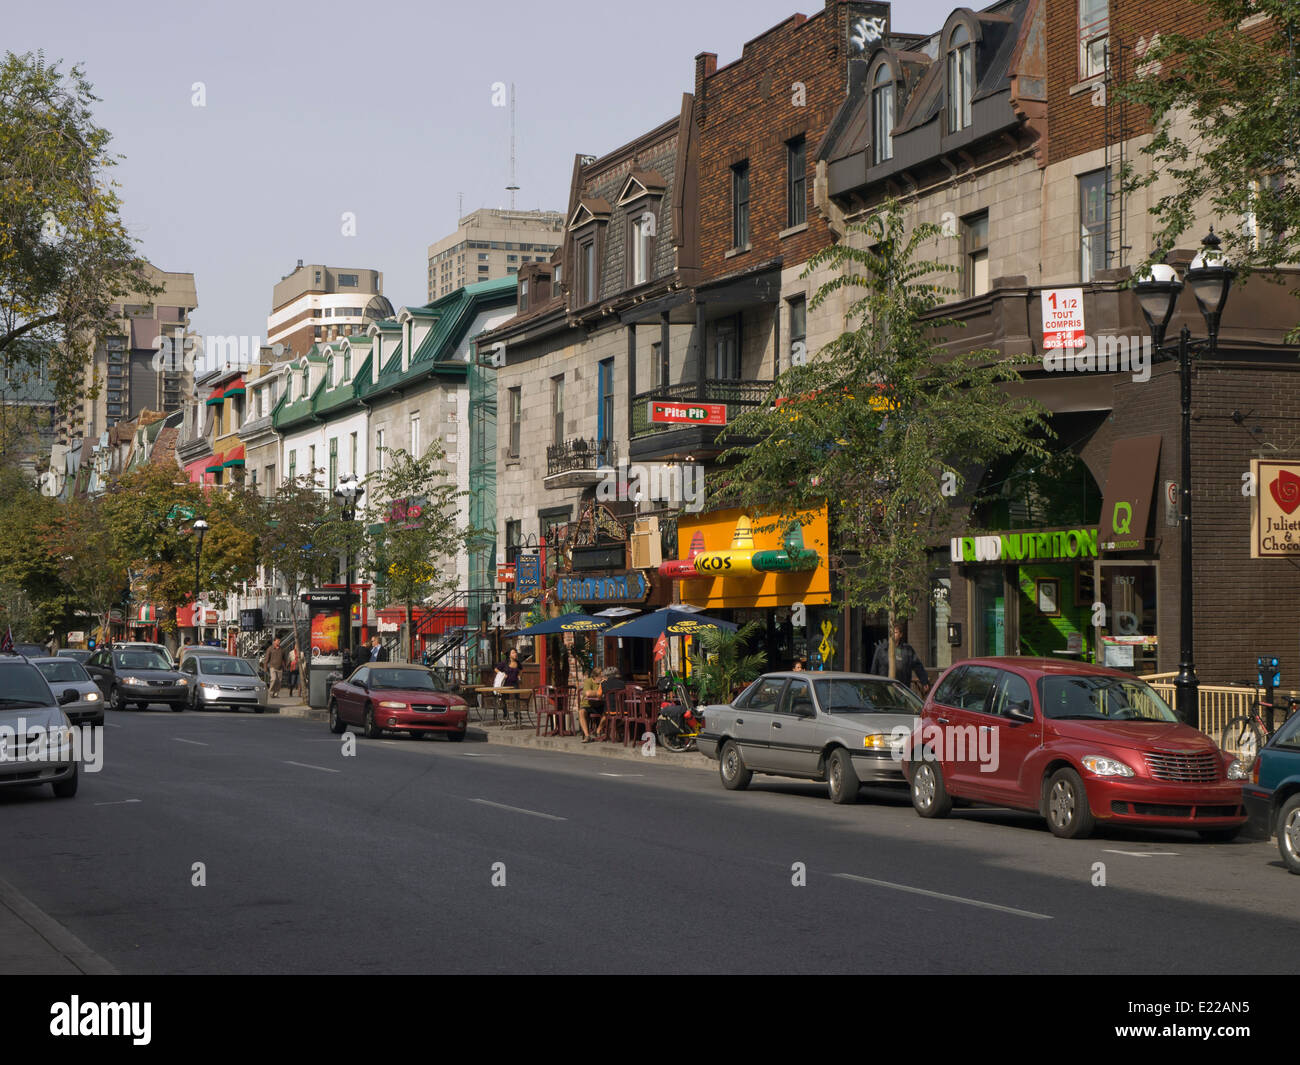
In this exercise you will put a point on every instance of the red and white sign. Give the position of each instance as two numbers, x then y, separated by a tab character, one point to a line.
210	617
1063	318
505	573
688	413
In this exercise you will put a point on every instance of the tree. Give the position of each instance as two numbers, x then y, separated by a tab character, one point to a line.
65	255
36	598
88	558
1225	108
879	426
414	530
719	665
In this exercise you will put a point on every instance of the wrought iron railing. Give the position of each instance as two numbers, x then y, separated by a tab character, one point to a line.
732	393
580	454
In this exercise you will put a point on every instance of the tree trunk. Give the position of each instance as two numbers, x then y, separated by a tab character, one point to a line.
893	668
410	632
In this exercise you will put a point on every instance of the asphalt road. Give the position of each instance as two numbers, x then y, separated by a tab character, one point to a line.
384	862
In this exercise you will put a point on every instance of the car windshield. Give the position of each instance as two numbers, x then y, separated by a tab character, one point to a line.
226	667
139	660
1289	734
68	671
23	686
1101	698
417	680
846	696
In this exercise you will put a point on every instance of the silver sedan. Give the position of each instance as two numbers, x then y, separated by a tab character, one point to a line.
64	673
219	681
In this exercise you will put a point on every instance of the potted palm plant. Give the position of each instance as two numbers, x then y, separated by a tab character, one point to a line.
720	664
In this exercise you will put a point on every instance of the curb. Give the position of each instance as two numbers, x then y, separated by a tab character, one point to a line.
60	940
567	745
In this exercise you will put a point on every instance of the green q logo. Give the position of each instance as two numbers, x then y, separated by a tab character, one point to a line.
1120	524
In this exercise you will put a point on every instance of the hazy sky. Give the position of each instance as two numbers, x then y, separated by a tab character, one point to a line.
383	109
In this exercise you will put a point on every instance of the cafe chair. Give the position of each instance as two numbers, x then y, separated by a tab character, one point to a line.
553	706
643	709
615	712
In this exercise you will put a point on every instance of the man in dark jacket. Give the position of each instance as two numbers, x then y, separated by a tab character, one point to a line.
378	652
906	661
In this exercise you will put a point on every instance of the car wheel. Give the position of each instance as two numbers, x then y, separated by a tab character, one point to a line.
259	709
337	724
735	777
176	707
929	796
456	737
1219	835
1068	814
1288	833
841	779
115	700
67	787
373	731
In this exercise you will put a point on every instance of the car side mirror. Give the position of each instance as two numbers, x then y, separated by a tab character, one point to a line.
1021	711
68	695
804	710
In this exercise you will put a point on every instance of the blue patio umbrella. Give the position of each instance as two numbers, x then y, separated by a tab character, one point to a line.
668	620
575	622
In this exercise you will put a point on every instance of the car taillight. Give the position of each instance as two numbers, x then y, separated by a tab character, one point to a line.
1254	770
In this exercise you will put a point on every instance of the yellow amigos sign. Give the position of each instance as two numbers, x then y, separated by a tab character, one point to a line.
732	570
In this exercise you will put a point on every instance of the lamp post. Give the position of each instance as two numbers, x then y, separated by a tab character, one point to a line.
348	491
1210	277
200	527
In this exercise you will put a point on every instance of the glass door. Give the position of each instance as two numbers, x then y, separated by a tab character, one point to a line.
989	604
1128	637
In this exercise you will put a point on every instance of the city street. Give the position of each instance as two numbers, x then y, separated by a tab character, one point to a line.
385	862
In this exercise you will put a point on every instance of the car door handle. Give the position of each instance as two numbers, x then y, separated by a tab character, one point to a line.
776	724
986	728
942	720
740	721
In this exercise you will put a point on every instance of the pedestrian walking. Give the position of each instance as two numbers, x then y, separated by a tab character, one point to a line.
906	661
273	662
293	671
378	652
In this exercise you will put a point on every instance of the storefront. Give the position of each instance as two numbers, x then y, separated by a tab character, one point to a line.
745	568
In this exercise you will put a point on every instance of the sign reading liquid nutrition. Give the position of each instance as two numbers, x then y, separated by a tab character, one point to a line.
1025	547
1063	318
688	413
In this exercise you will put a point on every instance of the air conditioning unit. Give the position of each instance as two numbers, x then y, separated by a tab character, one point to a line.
646	549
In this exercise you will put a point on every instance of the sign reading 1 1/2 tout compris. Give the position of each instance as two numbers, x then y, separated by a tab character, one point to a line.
1063	318
688	413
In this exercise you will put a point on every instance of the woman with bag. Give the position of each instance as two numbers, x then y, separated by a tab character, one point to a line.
293	671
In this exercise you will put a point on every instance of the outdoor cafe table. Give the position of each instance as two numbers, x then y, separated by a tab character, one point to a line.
517	695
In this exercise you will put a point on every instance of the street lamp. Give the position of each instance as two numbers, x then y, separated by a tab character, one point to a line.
1210	277
200	527
348	491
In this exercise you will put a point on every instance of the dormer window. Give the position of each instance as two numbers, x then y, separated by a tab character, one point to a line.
523	295
641	238
347	364
1094	37
882	115
961	78
333	371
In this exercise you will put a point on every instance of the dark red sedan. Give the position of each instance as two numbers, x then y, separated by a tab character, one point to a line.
1079	744
402	698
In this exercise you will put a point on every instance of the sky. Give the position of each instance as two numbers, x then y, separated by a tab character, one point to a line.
310	111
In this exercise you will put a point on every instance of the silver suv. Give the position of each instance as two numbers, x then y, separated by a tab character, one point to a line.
35	736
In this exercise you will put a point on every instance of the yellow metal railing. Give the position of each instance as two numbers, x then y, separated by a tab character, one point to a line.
1217	703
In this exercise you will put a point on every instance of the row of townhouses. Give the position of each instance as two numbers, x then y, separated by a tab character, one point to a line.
580	397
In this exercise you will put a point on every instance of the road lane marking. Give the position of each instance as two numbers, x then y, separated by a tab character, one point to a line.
119	802
112	724
1145	854
304	765
518	810
620	774
941	895
473	754
195	742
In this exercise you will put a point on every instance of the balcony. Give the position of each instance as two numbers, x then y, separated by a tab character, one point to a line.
579	463
676	439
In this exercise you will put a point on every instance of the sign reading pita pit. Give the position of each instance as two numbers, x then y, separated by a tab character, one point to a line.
688	413
1063	318
1275	513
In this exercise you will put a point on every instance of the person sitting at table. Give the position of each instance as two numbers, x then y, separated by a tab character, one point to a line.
612	683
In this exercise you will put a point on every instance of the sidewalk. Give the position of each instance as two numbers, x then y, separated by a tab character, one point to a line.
34	943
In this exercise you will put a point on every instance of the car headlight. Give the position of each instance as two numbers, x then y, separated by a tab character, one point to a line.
876	742
1106	767
183	682
211	688
393	706
92	697
133	680
1238	770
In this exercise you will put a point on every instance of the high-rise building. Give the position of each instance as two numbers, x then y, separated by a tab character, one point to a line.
133	370
492	243
317	303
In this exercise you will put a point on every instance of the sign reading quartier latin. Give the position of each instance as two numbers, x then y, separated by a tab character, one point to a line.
1025	546
1275	512
688	413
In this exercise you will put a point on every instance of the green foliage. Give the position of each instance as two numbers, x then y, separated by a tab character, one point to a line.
1225	106
882	422
65	255
719	664
35	598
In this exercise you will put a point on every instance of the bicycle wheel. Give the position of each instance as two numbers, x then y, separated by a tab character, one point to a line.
1241	738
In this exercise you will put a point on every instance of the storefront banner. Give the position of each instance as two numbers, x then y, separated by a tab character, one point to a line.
1025	547
1274	522
528	574
688	413
616	588
1130	487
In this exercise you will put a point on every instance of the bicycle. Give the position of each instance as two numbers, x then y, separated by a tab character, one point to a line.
678	726
1245	735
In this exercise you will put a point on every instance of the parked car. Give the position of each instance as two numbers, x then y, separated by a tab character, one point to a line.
141	646
62	674
1079	744
27	704
31	650
73	653
220	680
138	678
1272	793
403	698
835	727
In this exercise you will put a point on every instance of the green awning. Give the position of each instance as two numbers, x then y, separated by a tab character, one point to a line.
233	462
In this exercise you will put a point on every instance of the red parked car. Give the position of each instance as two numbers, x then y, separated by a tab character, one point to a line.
402	698
1079	744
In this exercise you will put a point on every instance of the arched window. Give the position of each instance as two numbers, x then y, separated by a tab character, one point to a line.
347	364
333	371
961	78
882	114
